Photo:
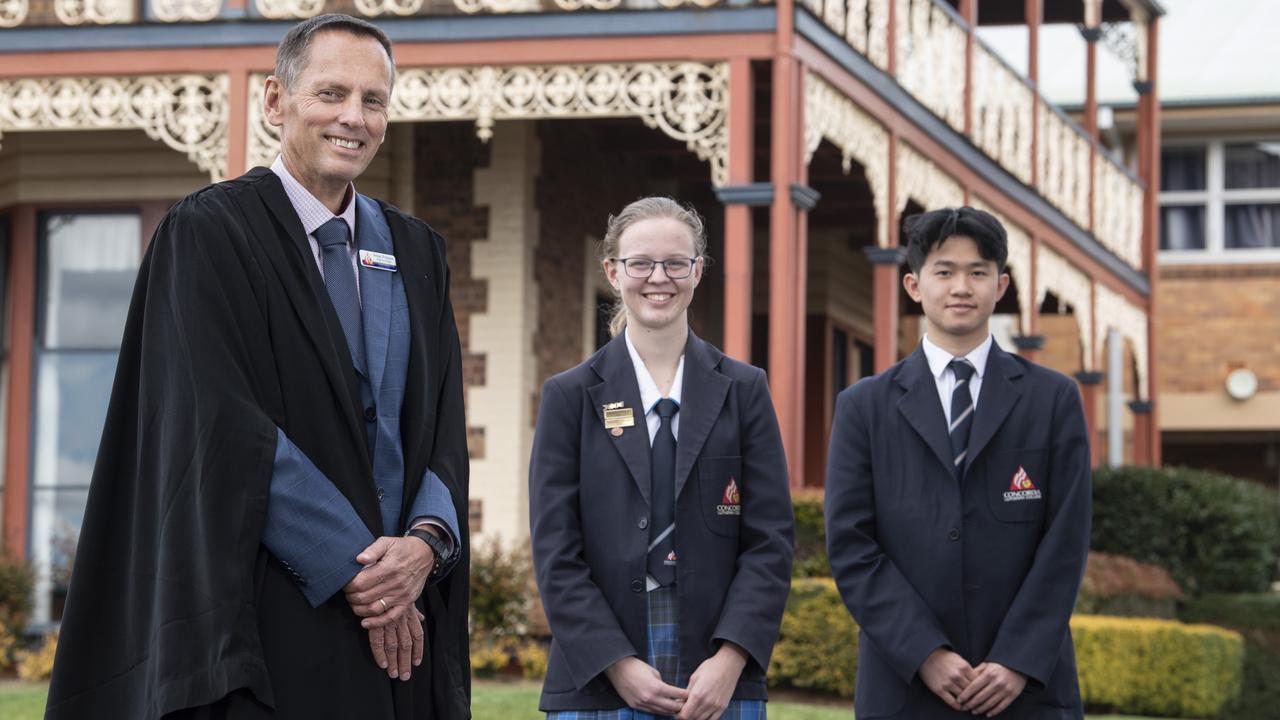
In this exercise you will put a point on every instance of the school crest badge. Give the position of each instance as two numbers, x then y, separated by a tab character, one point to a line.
731	503
1021	487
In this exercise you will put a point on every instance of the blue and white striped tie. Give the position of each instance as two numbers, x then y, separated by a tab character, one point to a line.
961	413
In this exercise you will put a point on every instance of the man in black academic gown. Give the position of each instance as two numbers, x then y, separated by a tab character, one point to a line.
273	524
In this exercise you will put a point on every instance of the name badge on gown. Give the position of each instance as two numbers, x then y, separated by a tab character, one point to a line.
377	260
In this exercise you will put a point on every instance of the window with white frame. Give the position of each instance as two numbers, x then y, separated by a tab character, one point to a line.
1220	200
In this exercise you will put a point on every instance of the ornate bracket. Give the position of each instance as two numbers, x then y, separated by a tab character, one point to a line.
13	12
1073	288
186	10
1114	311
188	113
94	12
686	101
829	115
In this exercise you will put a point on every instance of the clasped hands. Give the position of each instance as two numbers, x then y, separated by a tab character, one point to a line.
383	594
710	686
985	690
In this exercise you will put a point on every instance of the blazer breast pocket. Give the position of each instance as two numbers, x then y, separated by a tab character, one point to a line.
1017	488
720	494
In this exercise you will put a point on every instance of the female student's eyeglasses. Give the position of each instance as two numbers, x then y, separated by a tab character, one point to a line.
642	268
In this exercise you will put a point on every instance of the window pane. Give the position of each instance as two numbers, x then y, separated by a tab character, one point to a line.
71	403
1182	168
1182	227
90	261
55	528
1252	226
1253	165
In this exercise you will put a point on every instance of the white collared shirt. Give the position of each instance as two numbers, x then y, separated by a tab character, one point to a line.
945	378
649	393
313	214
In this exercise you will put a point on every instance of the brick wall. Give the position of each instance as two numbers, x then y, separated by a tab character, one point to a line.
1214	319
447	155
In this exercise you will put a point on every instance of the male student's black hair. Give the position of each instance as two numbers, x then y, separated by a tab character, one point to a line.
927	231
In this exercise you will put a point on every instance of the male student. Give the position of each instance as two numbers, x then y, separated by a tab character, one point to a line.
958	502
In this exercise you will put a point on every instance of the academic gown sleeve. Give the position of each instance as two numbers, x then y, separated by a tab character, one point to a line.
164	572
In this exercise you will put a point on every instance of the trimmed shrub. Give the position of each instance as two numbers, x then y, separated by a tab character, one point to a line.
488	660
1157	667
1213	533
500	592
37	665
817	646
17	580
811	535
8	642
1117	585
1257	617
533	660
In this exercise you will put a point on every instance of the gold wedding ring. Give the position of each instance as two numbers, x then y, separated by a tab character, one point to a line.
384	604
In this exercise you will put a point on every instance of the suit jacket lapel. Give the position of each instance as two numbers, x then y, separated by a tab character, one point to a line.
996	399
619	385
922	408
702	396
296	268
372	233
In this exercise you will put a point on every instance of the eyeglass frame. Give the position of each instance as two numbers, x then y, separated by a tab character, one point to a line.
693	261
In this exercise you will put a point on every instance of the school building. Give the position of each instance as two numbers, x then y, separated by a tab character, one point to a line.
804	131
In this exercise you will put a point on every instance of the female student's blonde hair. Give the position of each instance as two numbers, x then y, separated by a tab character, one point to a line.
648	208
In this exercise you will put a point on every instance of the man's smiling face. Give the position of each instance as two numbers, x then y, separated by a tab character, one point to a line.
335	116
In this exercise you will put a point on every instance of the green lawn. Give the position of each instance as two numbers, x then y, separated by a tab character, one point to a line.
490	701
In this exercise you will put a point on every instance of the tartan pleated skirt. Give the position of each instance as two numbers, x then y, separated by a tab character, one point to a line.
664	654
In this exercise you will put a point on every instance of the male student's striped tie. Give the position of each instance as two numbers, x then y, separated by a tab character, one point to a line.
961	413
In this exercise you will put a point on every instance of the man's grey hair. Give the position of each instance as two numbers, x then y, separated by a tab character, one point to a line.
291	56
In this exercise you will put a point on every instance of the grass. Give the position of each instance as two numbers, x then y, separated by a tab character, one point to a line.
490	701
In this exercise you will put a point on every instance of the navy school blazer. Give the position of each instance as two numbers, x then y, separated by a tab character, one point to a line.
589	516
987	566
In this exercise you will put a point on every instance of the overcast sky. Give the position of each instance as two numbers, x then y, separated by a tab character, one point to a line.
1209	49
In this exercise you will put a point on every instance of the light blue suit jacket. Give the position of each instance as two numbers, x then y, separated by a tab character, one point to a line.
311	527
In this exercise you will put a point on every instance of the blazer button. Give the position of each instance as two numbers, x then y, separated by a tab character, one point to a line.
370	414
644	523
637	586
383	493
953	533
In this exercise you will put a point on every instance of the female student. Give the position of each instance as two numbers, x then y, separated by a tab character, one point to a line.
659	503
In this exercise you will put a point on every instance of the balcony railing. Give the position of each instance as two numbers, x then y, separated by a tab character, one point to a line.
930	41
1005	116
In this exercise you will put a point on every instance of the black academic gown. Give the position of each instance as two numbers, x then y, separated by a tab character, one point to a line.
174	603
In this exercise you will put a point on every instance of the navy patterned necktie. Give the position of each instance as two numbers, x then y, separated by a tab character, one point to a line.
340	280
961	413
662	497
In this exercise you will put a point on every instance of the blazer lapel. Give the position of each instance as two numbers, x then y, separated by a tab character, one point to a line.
922	408
372	233
296	268
996	399
703	391
619	385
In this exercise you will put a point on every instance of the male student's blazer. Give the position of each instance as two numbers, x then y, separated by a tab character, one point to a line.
987	565
589	510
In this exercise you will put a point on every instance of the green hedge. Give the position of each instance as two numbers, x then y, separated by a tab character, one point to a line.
811	536
1126	665
1157	667
1213	533
1257	617
817	646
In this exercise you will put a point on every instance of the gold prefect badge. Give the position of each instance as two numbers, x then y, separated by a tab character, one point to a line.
617	416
